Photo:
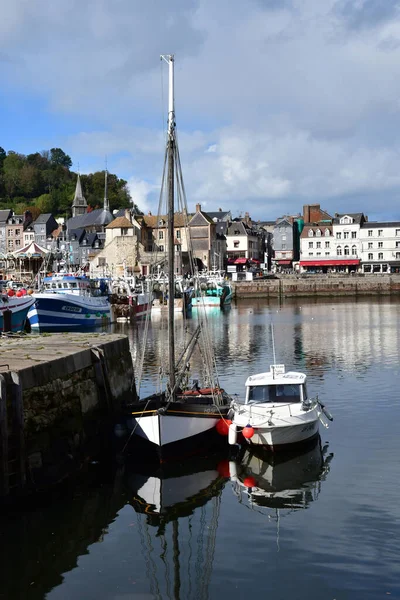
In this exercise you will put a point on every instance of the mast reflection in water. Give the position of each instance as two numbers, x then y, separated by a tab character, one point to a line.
178	507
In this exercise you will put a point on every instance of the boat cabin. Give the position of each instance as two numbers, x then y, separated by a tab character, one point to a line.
67	284
276	387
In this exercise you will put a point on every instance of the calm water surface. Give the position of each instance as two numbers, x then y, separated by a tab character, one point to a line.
321	524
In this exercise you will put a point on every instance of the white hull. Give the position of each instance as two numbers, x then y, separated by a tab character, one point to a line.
162	430
278	425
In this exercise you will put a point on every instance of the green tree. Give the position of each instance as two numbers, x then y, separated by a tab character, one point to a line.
58	157
12	167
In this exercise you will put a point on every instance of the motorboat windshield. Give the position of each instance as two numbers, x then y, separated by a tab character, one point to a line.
288	392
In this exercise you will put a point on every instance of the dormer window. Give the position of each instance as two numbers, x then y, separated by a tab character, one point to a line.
346	220
161	222
310	233
327	233
318	233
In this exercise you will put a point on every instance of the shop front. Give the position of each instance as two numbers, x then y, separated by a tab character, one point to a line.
330	266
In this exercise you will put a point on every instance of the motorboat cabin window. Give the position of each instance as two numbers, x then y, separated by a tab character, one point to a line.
275	393
73	284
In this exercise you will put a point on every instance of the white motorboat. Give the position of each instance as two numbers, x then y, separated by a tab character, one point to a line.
277	411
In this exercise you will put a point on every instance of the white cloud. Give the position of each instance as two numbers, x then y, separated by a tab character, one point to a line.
278	103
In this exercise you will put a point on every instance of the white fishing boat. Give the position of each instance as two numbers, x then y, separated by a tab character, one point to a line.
277	411
182	417
68	303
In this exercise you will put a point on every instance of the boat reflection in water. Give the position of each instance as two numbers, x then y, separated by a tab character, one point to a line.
289	480
177	506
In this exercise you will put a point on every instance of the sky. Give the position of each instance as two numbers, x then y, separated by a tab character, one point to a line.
279	103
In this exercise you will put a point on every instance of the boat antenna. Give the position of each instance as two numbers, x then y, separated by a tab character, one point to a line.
273	342
169	59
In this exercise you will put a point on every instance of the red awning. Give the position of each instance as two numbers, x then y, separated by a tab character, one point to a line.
329	263
284	262
241	261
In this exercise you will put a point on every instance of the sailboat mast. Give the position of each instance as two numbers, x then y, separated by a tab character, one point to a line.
169	59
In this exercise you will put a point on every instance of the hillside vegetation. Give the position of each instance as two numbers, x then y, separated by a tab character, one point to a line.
43	183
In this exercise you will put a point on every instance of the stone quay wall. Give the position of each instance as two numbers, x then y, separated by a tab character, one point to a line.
60	396
319	286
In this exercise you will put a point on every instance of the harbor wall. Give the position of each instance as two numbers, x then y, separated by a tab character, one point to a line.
323	286
61	407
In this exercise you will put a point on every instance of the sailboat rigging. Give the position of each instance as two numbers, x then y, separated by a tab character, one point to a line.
179	417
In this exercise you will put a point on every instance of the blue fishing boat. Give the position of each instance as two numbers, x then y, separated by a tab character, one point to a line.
69	303
19	307
212	289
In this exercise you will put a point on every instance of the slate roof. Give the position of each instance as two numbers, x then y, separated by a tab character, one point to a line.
43	218
358	217
219	214
99	216
4	215
376	224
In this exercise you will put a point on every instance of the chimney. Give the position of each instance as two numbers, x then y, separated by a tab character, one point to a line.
128	214
220	209
198	207
306	213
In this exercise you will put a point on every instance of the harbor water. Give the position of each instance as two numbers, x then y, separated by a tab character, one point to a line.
322	523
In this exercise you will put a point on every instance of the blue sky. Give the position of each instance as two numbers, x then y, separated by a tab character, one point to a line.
279	102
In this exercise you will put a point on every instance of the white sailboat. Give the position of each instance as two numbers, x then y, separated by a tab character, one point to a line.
181	418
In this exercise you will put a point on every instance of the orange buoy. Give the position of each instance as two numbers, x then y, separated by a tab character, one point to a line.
223	426
248	432
249	482
19	294
11	293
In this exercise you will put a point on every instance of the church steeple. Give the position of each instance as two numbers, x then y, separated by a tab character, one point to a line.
106	205
79	204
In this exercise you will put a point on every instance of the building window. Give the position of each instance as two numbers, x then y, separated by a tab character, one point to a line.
17	243
346	235
310	233
397	244
370	256
283	238
318	244
310	244
338	235
370	232
101	261
380	244
124	231
17	232
380	256
354	234
283	246
10	233
339	251
327	253
397	232
397	254
327	244
161	248
327	233
160	235
346	251
370	245
354	250
178	234
318	233
380	232
318	253
10	244
236	244
311	254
